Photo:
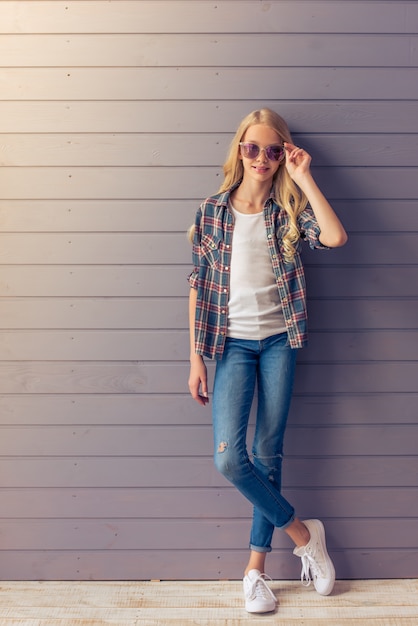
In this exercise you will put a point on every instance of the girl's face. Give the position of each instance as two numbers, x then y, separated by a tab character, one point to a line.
260	168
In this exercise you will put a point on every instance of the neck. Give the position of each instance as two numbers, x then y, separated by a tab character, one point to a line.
250	197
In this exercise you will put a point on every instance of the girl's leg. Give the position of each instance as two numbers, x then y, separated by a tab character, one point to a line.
297	531
257	561
260	481
275	376
275	382
232	398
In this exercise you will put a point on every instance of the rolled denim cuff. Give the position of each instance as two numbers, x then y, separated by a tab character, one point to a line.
291	520
259	549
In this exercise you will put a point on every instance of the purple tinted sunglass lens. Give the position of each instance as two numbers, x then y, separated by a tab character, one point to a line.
250	150
274	153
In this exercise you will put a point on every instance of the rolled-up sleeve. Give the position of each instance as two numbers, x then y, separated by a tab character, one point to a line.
309	229
193	277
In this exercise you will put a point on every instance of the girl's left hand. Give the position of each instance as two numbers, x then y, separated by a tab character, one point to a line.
297	161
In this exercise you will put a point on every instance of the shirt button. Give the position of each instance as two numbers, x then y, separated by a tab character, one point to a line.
285	301
226	268
269	236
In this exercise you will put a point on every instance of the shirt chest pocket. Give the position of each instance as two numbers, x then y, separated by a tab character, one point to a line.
210	249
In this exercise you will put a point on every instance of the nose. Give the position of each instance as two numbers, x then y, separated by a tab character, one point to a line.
262	155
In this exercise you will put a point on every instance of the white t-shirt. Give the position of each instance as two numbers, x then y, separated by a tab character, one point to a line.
254	306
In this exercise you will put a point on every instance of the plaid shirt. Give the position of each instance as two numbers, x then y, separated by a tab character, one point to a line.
212	244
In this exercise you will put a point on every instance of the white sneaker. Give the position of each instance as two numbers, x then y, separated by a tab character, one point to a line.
259	598
316	563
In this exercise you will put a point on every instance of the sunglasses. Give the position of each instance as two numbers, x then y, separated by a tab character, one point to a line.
251	151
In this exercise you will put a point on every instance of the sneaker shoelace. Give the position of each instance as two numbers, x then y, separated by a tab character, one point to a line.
260	589
310	565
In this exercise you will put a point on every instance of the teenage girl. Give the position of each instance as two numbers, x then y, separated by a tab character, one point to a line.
248	311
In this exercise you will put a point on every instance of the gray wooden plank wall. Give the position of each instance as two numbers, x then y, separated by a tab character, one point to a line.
114	121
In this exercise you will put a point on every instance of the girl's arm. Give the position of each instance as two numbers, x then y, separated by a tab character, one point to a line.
298	162
198	380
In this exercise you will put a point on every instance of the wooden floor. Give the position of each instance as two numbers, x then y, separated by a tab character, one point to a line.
359	603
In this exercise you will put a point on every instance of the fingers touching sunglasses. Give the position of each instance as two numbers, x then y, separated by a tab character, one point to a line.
274	152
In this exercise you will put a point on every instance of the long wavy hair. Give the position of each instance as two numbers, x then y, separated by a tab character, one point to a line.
286	192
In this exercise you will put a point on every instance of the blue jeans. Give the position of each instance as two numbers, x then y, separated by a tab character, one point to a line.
271	364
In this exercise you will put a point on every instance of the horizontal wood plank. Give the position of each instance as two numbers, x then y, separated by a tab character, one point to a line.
171	281
128	183
209	564
168	281
173	345
130	313
218	534
152	472
96	345
360	314
60	216
192	49
326	409
205	503
156	594
95	249
208	503
370	345
174	249
96	313
143	16
198	115
139	377
366	281
178	149
190	441
105	215
202	83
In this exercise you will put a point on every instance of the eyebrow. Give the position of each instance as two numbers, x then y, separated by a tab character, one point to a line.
267	146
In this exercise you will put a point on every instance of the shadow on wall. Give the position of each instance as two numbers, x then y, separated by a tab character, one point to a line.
325	374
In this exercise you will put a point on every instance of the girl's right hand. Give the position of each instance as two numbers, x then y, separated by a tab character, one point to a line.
198	380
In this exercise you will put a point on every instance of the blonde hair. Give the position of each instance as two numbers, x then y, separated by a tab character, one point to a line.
286	192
